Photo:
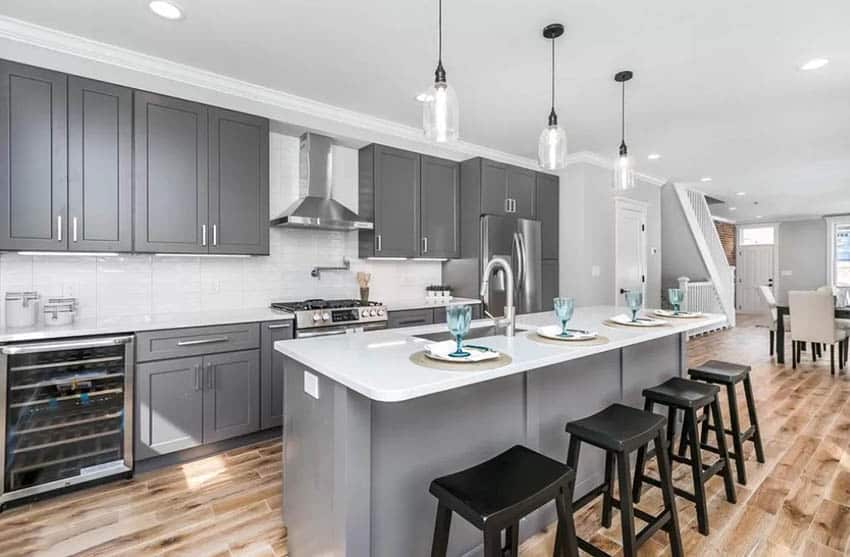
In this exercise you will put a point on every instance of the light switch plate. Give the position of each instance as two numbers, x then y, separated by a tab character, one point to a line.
311	385
786	273
595	271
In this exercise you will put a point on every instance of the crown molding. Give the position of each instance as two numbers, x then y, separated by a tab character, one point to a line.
264	101
590	157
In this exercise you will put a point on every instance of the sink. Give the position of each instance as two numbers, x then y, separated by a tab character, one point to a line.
477	332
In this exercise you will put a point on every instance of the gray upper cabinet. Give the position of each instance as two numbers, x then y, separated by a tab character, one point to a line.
522	192
547	213
232	395
100	185
494	187
238	183
271	372
440	202
170	175
33	158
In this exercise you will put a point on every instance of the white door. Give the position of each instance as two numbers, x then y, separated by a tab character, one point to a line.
755	268
630	248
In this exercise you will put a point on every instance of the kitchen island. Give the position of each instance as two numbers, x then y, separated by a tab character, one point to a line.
366	429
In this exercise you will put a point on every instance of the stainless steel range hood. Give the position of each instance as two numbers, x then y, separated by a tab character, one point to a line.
316	208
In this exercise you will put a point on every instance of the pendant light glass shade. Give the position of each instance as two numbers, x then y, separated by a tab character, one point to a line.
624	175
552	144
440	113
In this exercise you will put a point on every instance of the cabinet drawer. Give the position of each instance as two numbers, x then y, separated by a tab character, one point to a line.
177	343
410	318
440	313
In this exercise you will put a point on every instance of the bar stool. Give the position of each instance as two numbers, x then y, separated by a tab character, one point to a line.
729	375
690	397
620	430
494	495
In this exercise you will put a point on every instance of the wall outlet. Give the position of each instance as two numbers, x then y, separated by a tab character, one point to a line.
786	273
595	271
311	385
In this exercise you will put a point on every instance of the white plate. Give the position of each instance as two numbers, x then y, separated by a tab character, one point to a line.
642	321
441	350
680	315
554	332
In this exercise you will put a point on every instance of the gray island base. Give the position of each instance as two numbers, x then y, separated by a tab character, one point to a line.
357	468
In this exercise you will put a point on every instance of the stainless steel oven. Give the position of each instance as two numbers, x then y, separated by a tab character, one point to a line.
66	413
339	330
319	318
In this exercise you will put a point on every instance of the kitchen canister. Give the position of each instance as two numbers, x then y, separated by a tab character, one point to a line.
21	309
60	311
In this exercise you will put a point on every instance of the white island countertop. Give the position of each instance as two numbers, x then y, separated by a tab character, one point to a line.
142	322
377	365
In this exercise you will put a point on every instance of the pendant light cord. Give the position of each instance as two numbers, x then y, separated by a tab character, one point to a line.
623	114
553	75
440	31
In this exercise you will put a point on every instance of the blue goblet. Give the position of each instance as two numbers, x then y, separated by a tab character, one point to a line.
458	317
676	298
634	300
564	308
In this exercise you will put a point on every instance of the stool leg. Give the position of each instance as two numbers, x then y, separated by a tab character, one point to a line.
736	434
669	498
627	513
703	436
754	421
512	539
443	523
492	542
728	482
639	469
608	494
696	472
566	544
683	440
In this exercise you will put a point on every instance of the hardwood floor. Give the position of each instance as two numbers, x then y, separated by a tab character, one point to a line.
797	503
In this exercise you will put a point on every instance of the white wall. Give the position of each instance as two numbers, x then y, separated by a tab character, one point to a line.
587	235
681	253
134	284
802	256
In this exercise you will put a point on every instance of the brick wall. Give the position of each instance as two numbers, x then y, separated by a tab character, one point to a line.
727	235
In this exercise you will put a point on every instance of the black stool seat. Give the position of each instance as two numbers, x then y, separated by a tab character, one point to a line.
618	428
683	393
717	371
504	482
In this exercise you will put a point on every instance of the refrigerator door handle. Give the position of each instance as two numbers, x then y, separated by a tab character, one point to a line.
520	260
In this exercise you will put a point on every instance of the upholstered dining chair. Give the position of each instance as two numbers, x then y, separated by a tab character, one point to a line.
840	323
771	316
814	321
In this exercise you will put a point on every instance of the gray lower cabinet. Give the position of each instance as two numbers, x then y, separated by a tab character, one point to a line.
33	158
549	283
440	202
440	313
169	406
231	394
238	183
271	373
410	318
100	166
547	213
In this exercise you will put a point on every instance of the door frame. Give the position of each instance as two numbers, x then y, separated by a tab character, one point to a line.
777	279
641	207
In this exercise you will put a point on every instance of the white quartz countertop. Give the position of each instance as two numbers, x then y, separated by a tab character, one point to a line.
143	322
426	303
376	364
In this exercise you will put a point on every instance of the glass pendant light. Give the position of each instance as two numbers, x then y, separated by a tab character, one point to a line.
552	145
624	176
440	112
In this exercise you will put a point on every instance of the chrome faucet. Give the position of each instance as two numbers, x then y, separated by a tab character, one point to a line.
509	319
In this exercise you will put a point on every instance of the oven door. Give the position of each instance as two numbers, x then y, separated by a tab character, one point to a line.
348	329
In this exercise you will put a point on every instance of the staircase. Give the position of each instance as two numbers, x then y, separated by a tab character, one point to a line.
722	276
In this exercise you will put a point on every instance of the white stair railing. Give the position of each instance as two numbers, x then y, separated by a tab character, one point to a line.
698	216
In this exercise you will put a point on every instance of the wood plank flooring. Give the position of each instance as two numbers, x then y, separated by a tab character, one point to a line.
797	503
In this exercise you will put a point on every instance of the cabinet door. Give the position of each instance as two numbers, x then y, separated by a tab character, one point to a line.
100	167
239	183
522	189
494	187
397	175
169	406
548	211
549	283
33	158
231	395
170	175
271	373
410	318
440	201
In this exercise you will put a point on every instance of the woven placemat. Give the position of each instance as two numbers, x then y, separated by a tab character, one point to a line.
597	341
609	323
420	359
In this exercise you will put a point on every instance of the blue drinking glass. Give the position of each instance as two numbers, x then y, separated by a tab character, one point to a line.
564	308
634	299
676	298
458	317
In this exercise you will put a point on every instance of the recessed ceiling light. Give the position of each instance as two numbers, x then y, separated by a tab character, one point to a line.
168	10
733	208
759	216
705	179
654	156
740	193
814	64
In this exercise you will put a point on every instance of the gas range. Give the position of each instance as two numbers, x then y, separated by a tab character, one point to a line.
332	317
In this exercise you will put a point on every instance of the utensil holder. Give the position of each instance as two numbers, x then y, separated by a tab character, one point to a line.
364	295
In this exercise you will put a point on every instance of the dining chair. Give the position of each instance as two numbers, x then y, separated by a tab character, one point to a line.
840	323
772	315
814	322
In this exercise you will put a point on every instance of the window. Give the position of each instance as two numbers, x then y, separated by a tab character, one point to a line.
757	236
839	251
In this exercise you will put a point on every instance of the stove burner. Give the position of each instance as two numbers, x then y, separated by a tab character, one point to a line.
316	304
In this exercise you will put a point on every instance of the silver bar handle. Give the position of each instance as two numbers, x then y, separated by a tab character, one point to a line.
215	234
70	345
59	228
507	204
322	333
425	247
74	229
202	341
197	377
210	377
378	242
520	261
203	234
280	326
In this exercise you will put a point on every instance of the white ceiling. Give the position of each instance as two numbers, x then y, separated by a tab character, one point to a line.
717	89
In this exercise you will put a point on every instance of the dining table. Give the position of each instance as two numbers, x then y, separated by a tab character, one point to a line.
781	312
